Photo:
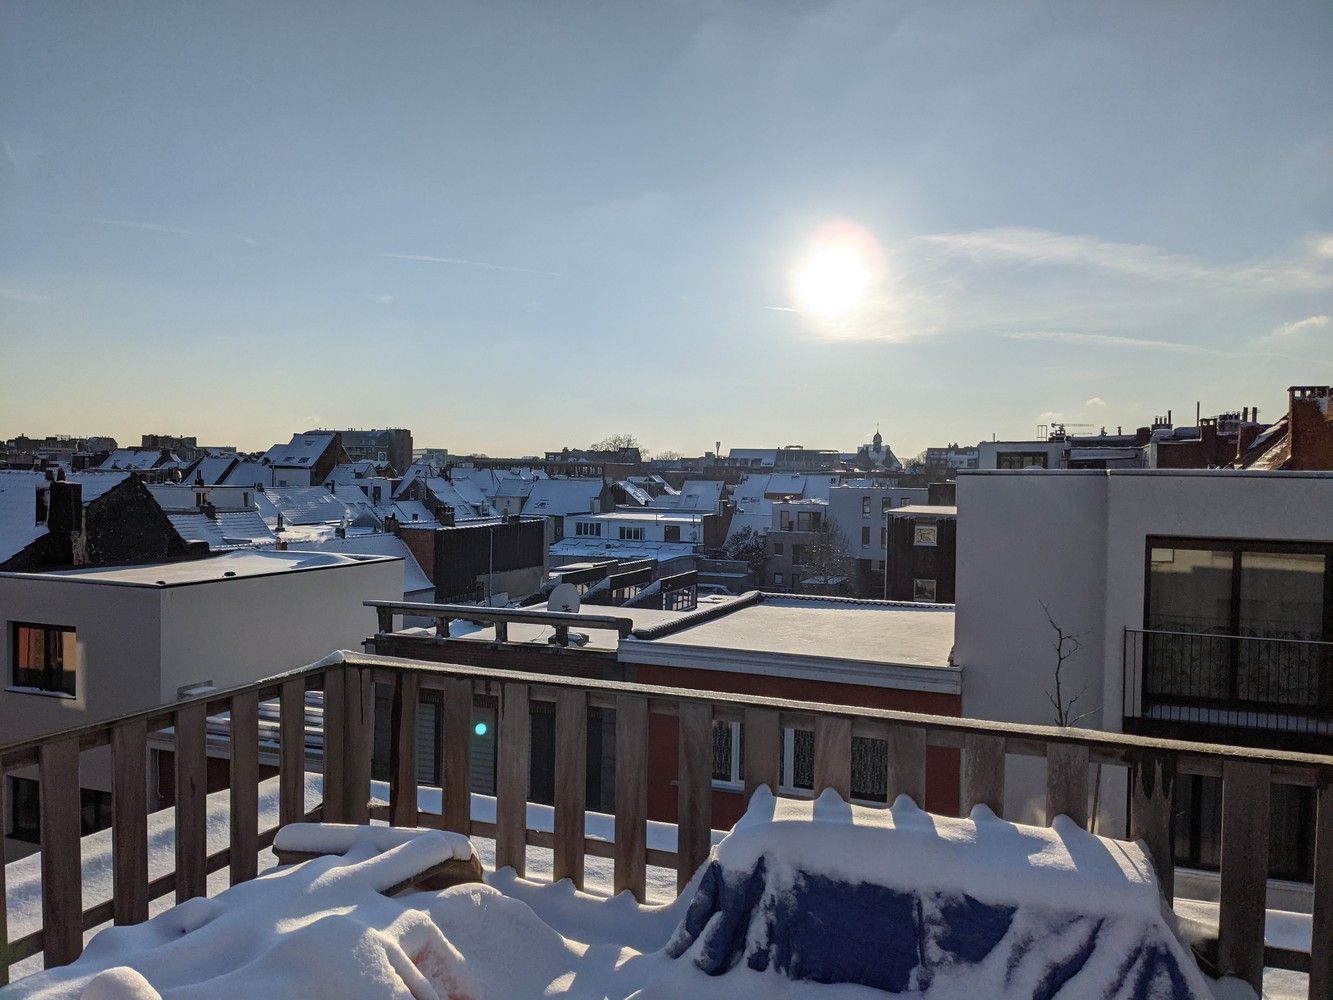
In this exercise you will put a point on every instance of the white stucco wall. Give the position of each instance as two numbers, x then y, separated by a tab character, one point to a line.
1077	540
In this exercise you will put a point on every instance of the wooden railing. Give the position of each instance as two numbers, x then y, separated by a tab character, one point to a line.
346	735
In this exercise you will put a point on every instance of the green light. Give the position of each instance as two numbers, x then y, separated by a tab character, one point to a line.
481	729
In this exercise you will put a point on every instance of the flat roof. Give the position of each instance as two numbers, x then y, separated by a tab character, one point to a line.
227	566
881	643
924	510
645	514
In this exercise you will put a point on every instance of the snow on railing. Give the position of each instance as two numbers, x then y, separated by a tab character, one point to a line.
645	718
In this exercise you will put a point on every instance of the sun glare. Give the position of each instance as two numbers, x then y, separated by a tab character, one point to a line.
838	277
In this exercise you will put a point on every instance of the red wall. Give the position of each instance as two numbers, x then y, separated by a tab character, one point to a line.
941	764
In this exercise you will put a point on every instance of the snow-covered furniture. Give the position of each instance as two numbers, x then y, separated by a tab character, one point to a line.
906	902
442	858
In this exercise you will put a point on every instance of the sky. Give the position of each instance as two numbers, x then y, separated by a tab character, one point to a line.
513	227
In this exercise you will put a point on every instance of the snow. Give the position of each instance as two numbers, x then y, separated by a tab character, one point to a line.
324	929
18	503
301	452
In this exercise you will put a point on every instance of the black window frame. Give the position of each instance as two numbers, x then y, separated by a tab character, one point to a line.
1022	460
48	675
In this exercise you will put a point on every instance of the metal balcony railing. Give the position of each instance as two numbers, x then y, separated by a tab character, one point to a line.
1252	682
344	730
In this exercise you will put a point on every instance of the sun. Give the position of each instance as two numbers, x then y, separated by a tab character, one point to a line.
838	277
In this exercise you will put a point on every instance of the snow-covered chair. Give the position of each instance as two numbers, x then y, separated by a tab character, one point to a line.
903	901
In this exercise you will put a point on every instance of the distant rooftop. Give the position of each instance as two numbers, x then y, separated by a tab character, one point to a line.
231	565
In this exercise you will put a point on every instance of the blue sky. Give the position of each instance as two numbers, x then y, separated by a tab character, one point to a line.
513	227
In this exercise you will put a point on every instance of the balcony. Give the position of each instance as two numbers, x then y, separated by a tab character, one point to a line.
1275	687
343	732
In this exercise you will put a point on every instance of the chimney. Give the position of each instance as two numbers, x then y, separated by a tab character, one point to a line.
1245	437
390	524
445	515
64	518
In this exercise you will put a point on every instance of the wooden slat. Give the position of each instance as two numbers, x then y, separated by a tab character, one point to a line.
511	805
982	774
335	739
456	755
907	764
244	786
359	709
1067	783
291	747
1321	920
833	755
1244	871
1152	816
694	792
403	749
571	763
762	754
62	888
631	795
191	803
129	821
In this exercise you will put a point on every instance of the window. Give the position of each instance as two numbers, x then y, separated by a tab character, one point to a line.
865	506
777	548
923	591
777	579
593	528
926	534
886	505
728	746
671	533
1020	460
631	533
797	554
883	536
808	521
44	658
865	535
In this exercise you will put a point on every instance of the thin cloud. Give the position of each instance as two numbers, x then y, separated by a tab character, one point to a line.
1097	402
1106	340
1043	247
1301	327
464	262
151	227
21	295
784	309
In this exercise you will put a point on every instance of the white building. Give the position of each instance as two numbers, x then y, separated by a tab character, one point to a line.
1201	604
631	533
85	645
859	513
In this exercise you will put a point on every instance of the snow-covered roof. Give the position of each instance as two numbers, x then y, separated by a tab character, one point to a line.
757	515
229	530
582	547
301	452
373	544
310	505
878	643
764	457
229	565
563	496
636	492
18	503
923	510
138	459
212	469
697	494
249	474
350	472
468	502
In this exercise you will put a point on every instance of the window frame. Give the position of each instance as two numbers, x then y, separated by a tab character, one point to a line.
49	687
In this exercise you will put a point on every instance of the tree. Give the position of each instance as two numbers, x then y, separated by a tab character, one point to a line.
1066	645
666	456
748	546
616	442
827	565
917	463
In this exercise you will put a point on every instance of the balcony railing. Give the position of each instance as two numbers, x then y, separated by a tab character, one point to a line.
348	686
1278	685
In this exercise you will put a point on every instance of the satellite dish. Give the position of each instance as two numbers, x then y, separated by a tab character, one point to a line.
565	597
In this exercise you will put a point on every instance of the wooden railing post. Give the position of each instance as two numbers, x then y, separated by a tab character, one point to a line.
244	786
833	755
456	755
191	803
762	760
291	749
694	798
907	764
1244	875
1321	919
335	745
359	708
982	773
1067	782
571	767
511	793
631	847
1152	816
62	868
129	821
403	748
4	909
